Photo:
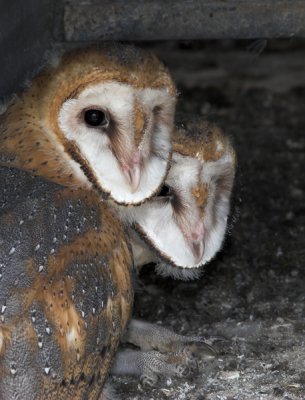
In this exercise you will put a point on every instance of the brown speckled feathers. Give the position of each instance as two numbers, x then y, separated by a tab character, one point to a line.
65	289
199	138
30	137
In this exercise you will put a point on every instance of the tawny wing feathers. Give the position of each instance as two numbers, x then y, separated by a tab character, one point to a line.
66	292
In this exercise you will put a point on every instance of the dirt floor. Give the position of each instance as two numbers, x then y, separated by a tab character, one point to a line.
253	293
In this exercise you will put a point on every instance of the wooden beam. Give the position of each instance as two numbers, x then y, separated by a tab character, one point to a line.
182	19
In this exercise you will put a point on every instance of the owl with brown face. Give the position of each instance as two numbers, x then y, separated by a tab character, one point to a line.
95	124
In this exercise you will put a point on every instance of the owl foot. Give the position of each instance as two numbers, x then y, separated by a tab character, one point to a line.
163	353
149	365
148	336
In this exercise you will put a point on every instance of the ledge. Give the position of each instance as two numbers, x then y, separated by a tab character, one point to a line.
182	19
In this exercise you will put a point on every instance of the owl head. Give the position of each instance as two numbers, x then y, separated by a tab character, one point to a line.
99	117
184	225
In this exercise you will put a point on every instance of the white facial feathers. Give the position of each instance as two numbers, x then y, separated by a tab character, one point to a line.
169	223
219	177
107	151
157	221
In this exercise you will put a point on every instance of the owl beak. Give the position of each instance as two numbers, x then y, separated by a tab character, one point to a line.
197	242
133	175
197	250
131	169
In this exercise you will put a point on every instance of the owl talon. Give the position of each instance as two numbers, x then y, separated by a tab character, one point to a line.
189	359
149	336
174	356
148	380
183	371
149	365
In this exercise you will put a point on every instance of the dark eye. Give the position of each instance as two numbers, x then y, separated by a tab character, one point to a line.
95	118
165	191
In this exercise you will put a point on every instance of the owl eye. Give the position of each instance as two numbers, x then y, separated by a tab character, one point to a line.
165	191
96	118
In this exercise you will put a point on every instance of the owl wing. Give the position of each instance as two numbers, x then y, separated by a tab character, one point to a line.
65	289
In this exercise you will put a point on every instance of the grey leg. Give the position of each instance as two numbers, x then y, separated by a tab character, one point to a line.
148	365
163	353
149	336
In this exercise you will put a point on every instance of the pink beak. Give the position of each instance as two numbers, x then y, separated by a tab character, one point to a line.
198	250
133	175
196	242
132	172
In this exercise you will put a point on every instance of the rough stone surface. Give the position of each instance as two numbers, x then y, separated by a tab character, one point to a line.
179	19
252	294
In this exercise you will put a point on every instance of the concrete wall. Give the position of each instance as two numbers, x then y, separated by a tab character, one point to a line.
27	27
182	19
25	33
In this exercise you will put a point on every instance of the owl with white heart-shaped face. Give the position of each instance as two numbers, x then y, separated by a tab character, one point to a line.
184	225
96	118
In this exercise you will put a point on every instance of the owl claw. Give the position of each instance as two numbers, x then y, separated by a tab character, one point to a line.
150	365
174	356
148	380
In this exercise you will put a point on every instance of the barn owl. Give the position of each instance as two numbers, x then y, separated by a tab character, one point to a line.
94	124
184	225
66	289
96	118
180	229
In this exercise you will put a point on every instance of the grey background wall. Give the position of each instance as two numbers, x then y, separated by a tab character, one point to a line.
27	28
25	33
